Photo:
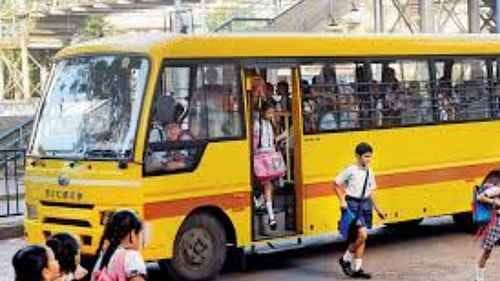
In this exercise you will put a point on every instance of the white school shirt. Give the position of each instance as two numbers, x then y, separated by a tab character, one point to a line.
353	178
267	138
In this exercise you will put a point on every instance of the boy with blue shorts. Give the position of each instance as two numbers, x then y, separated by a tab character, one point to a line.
355	188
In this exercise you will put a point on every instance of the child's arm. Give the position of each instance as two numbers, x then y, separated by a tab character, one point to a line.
340	191
489	196
375	206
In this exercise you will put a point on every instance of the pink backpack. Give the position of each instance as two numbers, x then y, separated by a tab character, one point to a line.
268	165
114	271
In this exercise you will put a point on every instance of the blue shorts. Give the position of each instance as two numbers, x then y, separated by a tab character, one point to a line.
366	213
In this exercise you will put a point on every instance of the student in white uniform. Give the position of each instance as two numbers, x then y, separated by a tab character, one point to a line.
349	185
118	252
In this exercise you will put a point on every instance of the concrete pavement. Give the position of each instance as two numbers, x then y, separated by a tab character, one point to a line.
435	251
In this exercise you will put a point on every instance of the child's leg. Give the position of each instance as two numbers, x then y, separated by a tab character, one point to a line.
358	248
485	255
481	264
268	196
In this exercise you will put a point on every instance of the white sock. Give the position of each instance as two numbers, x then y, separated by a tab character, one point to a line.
480	273
347	256
269	207
358	263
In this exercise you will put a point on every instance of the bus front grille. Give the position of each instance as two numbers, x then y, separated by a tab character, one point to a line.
67	205
67	222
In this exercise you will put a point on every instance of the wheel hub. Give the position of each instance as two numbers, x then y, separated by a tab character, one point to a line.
197	247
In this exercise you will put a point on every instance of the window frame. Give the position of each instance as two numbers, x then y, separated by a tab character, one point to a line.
430	60
201	144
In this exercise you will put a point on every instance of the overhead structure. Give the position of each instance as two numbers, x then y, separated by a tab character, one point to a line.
435	16
31	31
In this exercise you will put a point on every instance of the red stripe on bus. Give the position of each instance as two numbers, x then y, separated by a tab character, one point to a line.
180	207
467	172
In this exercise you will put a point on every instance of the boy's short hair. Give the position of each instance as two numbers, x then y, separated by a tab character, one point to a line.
363	148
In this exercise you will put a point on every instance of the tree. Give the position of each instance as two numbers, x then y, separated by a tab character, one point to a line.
95	27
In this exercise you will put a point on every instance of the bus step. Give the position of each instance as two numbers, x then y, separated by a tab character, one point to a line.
279	245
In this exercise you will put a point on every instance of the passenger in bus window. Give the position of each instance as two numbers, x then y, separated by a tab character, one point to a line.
214	92
309	108
496	100
283	99
393	97
445	101
355	187
176	159
363	96
378	103
348	108
328	120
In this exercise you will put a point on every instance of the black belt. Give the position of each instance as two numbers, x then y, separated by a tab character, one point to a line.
347	197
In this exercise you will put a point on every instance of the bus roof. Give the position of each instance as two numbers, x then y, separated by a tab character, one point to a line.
245	45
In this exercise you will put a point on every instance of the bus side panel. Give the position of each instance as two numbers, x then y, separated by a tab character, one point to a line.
421	171
221	180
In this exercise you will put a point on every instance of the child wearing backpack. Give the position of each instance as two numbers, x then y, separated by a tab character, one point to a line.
355	188
118	253
490	196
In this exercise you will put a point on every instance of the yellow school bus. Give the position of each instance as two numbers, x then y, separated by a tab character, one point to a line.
163	124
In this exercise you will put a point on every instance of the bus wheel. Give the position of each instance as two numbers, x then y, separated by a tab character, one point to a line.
464	222
200	249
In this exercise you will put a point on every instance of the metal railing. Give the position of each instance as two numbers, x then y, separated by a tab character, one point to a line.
238	24
17	137
12	164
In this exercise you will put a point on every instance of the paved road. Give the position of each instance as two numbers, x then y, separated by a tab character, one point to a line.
434	251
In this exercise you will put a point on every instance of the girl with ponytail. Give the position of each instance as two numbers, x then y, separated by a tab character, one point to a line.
118	253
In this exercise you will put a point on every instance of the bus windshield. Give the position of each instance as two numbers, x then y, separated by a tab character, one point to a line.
92	108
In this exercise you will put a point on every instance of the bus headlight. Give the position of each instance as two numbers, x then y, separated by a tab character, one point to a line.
31	211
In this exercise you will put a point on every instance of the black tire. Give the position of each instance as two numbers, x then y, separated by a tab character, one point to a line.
199	250
464	222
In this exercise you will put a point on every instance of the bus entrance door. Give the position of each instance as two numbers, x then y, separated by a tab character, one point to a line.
271	86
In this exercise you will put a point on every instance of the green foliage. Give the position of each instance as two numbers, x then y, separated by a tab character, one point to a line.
95	27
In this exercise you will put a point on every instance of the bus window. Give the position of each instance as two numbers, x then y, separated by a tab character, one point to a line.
495	83
400	93
194	104
330	102
462	91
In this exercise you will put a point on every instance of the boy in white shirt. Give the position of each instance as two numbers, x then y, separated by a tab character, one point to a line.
349	185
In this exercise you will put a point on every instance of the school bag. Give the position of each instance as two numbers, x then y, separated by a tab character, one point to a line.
348	218
481	212
118	269
267	165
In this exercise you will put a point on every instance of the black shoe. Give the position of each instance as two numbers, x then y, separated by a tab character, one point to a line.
346	266
273	224
360	274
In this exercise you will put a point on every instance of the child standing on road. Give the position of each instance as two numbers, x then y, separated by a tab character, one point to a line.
35	263
355	188
66	249
118	252
491	195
